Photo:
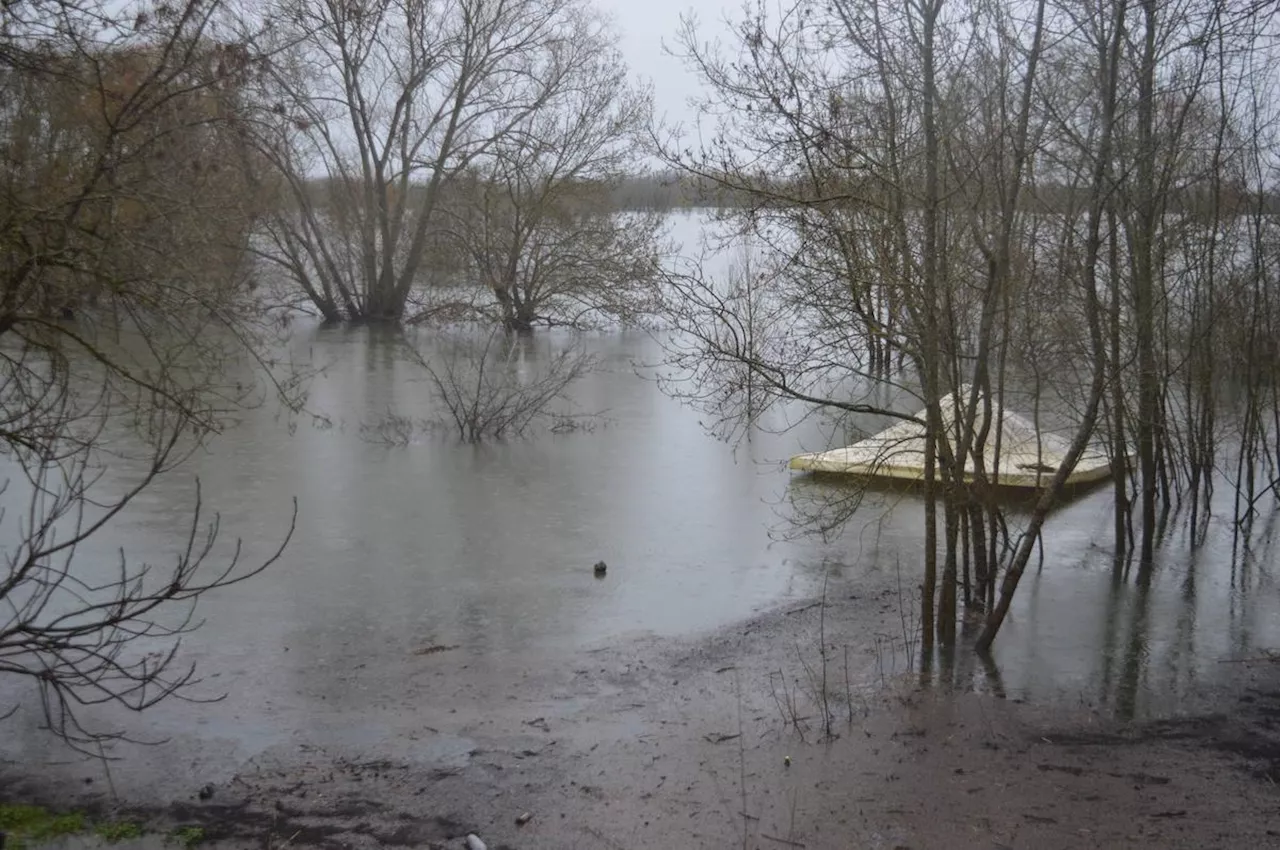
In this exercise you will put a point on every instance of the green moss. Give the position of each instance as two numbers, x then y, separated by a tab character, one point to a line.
27	825
189	836
114	831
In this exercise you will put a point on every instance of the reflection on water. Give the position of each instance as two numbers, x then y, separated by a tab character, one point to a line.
1129	642
487	547
490	548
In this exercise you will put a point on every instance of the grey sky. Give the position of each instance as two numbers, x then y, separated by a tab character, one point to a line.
644	25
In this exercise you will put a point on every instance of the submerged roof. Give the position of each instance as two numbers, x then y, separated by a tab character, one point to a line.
1028	458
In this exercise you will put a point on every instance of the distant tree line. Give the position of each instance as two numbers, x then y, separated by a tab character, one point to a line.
669	190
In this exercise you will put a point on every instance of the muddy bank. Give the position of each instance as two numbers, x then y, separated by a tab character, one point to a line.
719	742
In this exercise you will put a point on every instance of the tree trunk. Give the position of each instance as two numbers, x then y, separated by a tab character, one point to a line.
1144	290
947	599
1119	440
1108	54
931	347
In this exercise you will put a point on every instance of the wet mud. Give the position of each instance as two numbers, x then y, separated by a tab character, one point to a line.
719	741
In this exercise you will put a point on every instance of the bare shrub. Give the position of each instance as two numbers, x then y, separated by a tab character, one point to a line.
128	333
489	387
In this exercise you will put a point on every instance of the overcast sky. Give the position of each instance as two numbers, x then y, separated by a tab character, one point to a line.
644	25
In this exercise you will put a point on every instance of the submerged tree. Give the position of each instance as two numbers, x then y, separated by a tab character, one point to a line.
125	319
488	385
370	114
497	386
536	216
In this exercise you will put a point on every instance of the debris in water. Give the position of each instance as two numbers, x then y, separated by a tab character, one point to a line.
433	649
600	569
524	818
474	842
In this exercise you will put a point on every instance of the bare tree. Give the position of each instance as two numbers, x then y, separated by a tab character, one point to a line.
883	190
1043	198
369	113
922	191
127	331
536	213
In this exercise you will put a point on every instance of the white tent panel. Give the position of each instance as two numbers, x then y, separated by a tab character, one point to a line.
1027	458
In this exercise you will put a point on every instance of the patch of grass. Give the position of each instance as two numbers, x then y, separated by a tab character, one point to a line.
28	825
189	836
114	831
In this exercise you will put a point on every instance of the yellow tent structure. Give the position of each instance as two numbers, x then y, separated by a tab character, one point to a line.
1028	458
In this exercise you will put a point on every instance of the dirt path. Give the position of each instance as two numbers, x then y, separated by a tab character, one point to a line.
718	743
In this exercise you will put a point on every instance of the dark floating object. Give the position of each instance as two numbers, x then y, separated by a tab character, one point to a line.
600	568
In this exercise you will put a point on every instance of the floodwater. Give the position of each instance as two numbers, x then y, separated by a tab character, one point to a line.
489	548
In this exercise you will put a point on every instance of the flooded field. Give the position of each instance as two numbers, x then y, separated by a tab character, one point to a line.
489	548
438	597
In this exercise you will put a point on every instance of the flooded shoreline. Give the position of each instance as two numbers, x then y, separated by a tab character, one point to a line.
488	550
711	741
436	618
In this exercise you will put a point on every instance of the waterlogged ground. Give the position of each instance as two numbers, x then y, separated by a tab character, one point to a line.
718	742
433	654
